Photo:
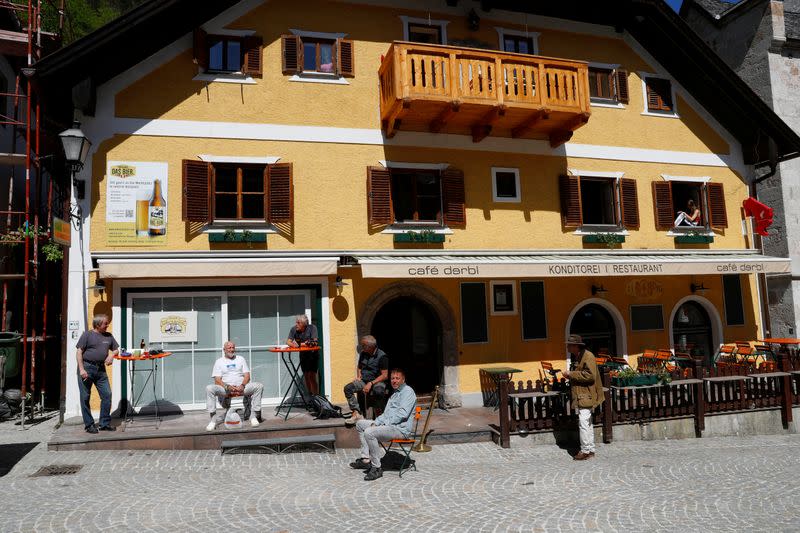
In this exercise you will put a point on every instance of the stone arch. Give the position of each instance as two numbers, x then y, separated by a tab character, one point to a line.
619	322
713	317
450	391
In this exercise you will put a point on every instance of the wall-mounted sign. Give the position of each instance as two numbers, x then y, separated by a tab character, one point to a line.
645	289
62	231
136	203
173	326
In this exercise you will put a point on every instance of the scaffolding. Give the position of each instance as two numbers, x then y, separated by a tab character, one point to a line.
26	219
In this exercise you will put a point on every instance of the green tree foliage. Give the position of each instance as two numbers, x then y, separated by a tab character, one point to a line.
82	17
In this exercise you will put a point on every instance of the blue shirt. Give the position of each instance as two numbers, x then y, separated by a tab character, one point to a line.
399	410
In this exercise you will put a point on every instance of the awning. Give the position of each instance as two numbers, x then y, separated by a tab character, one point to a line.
222	267
545	265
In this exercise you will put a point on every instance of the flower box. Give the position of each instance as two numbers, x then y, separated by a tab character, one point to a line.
694	239
603	238
237	236
635	381
411	236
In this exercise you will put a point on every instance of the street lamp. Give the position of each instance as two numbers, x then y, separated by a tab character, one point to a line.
76	148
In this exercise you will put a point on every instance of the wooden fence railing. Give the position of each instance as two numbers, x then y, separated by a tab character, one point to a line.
526	407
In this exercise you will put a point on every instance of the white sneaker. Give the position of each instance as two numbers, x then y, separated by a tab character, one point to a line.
254	422
211	425
354	417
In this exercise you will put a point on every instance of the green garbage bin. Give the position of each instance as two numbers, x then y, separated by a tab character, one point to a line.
10	348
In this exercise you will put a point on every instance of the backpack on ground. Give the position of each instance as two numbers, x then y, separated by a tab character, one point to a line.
394	461
323	409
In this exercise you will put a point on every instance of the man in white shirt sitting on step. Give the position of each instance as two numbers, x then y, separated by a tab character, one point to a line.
232	378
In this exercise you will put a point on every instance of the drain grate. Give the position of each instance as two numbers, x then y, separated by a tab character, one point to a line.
57	470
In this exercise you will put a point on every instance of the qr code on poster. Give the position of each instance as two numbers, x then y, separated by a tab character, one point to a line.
129	213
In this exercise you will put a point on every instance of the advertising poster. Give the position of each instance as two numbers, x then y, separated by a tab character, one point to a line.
136	203
173	326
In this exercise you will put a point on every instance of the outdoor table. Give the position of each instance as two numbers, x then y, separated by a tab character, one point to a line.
769	375
294	375
719	379
151	375
495	373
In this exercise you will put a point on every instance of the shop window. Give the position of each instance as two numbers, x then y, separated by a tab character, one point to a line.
533	310
659	95
608	85
672	197
734	307
505	184
599	201
228	54
237	192
647	318
474	320
317	54
424	197
504	298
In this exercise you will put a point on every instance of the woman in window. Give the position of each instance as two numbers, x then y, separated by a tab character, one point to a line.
690	217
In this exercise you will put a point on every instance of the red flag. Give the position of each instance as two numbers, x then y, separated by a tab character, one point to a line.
762	215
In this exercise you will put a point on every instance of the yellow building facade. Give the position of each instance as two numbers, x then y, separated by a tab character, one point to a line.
520	187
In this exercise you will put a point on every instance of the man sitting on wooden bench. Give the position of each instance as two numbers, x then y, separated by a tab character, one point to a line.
396	422
232	378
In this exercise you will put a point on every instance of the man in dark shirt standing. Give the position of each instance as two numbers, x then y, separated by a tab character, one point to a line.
372	375
96	350
305	334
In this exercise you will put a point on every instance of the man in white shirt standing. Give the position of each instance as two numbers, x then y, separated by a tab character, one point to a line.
232	378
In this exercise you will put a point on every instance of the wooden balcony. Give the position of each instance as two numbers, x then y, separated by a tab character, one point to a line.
467	91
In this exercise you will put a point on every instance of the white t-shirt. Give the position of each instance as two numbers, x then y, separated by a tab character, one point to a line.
231	371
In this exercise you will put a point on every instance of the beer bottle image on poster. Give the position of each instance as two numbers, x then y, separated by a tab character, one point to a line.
157	219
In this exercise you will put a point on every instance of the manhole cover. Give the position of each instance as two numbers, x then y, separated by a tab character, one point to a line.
57	470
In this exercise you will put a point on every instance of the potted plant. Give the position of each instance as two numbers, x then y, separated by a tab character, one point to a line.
694	237
423	236
609	239
231	235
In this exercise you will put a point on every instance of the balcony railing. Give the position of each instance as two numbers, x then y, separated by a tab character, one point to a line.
482	92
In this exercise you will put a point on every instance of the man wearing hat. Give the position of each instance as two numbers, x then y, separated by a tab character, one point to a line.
587	392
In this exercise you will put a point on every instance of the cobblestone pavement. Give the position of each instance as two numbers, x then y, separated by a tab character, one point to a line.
730	484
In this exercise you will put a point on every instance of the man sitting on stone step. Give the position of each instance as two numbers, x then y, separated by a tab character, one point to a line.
396	422
372	375
232	378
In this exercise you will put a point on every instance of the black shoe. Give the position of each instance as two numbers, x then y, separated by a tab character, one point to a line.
373	474
91	429
107	428
360	464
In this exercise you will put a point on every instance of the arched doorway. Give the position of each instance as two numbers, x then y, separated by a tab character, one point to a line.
597	328
410	332
692	332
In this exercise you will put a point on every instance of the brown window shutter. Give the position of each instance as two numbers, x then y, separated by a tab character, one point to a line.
569	188
662	200
453	198
196	191
659	94
200	48
621	77
717	214
379	196
345	59
252	56
280	193
630	203
291	51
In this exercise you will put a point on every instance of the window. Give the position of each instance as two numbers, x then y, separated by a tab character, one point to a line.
533	310
647	317
228	54
503	298
317	54
519	42
505	184
659	96
416	196
734	308
599	199
672	196
474	324
424	30
237	192
608	84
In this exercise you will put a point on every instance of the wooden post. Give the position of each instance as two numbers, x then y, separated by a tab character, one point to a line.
699	399
502	394
608	420
786	390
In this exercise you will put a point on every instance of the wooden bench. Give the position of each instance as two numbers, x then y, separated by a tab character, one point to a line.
325	442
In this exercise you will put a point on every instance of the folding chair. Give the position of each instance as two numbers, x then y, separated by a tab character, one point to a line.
407	444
